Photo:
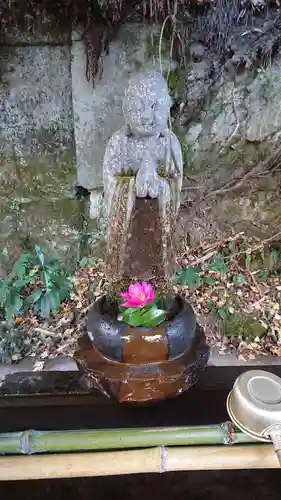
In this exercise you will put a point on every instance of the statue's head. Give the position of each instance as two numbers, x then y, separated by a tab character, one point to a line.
147	103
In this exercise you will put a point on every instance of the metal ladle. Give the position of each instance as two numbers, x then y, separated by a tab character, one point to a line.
254	406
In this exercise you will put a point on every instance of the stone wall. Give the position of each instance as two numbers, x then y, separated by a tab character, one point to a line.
37	151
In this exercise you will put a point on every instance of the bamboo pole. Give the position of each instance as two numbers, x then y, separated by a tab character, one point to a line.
30	442
257	456
150	460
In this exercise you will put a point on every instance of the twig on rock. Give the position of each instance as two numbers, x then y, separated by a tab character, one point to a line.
204	258
228	141
45	332
267	240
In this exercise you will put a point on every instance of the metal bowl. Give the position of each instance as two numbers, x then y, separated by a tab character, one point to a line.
254	404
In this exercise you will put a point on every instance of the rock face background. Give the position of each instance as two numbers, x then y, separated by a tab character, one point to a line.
231	117
232	154
54	127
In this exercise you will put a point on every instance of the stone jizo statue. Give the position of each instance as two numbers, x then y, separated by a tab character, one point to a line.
143	159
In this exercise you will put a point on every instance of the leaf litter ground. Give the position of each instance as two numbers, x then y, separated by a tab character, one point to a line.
234	286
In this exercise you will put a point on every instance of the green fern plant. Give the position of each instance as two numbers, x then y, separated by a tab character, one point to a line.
35	281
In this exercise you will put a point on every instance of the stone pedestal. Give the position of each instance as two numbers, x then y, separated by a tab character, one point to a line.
143	257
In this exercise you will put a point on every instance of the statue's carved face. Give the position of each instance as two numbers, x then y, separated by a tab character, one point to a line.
146	104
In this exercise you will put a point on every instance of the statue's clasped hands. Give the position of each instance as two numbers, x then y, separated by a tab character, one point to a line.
152	174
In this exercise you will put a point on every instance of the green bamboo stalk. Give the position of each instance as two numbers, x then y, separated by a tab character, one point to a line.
30	442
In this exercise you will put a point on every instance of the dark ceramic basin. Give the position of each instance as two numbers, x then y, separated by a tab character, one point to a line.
143	364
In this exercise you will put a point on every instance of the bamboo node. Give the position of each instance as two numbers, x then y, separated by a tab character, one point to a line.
228	433
25	442
163	459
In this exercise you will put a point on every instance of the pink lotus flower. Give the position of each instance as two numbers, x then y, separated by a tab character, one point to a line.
138	295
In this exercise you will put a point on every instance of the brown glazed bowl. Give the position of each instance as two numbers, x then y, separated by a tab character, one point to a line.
140	365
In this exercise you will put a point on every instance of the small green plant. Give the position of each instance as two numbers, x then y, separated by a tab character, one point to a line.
193	277
190	277
35	281
219	265
239	278
221	312
87	262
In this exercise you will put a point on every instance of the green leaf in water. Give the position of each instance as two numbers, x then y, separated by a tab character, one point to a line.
153	317
135	319
127	312
132	316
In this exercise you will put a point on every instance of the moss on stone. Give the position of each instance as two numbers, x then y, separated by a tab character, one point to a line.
37	181
152	46
244	325
187	150
176	82
54	28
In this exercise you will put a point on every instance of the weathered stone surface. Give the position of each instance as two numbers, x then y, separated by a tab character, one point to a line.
37	182
264	102
38	28
238	129
36	110
37	169
248	105
43	85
